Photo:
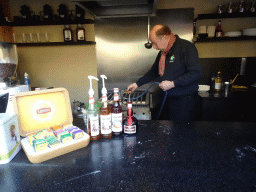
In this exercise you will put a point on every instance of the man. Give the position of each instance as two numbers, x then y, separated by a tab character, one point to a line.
179	68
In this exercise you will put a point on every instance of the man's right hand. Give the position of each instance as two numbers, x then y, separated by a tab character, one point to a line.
132	87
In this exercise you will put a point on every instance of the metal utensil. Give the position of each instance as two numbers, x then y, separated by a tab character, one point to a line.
148	45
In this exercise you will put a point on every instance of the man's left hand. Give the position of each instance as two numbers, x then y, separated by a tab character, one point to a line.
166	85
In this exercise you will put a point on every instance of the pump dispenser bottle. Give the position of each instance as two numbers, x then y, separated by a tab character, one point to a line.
105	113
92	114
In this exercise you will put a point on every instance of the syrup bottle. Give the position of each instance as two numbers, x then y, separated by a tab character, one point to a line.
80	33
116	114
218	30
67	32
130	123
92	114
105	113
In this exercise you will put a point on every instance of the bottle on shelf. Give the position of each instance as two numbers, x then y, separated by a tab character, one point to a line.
218	30
92	114
218	83
241	7
67	32
130	123
80	33
27	81
105	113
252	8
230	8
219	9
116	114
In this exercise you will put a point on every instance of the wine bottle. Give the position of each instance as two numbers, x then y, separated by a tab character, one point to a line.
218	30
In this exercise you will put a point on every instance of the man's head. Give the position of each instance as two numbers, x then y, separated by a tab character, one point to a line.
160	36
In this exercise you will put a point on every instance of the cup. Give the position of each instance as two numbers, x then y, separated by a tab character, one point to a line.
211	31
46	37
226	88
38	37
23	38
31	37
202	29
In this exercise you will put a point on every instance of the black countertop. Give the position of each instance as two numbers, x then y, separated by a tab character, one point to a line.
162	156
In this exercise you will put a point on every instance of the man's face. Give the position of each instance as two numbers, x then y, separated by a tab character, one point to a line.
159	43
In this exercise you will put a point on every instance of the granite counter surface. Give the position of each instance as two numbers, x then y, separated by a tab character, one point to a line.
162	156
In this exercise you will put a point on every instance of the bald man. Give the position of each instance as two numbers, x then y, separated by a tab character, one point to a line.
178	66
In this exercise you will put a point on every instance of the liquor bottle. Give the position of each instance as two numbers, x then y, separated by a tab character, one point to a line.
252	9
80	33
116	114
130	123
105	113
92	115
67	32
241	7
218	30
218	83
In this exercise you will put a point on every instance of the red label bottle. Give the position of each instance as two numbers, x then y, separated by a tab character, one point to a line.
130	123
218	30
116	114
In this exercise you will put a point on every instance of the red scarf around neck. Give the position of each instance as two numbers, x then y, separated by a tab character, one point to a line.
163	57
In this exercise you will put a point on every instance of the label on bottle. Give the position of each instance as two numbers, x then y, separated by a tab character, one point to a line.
130	129
105	124
104	98
91	100
129	105
94	125
80	34
116	97
217	86
116	122
218	34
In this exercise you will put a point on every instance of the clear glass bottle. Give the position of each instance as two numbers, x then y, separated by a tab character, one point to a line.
218	83
67	33
80	33
252	9
218	30
105	118
241	7
116	114
93	120
130	123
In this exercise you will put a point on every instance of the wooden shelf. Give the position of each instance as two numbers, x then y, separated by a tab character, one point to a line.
23	22
225	15
223	39
56	43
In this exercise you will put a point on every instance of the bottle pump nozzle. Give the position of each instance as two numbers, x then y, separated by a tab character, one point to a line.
104	90
91	92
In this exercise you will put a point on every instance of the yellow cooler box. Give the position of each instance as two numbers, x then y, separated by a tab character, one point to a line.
43	111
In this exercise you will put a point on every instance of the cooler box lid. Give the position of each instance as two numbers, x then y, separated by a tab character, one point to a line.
38	110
